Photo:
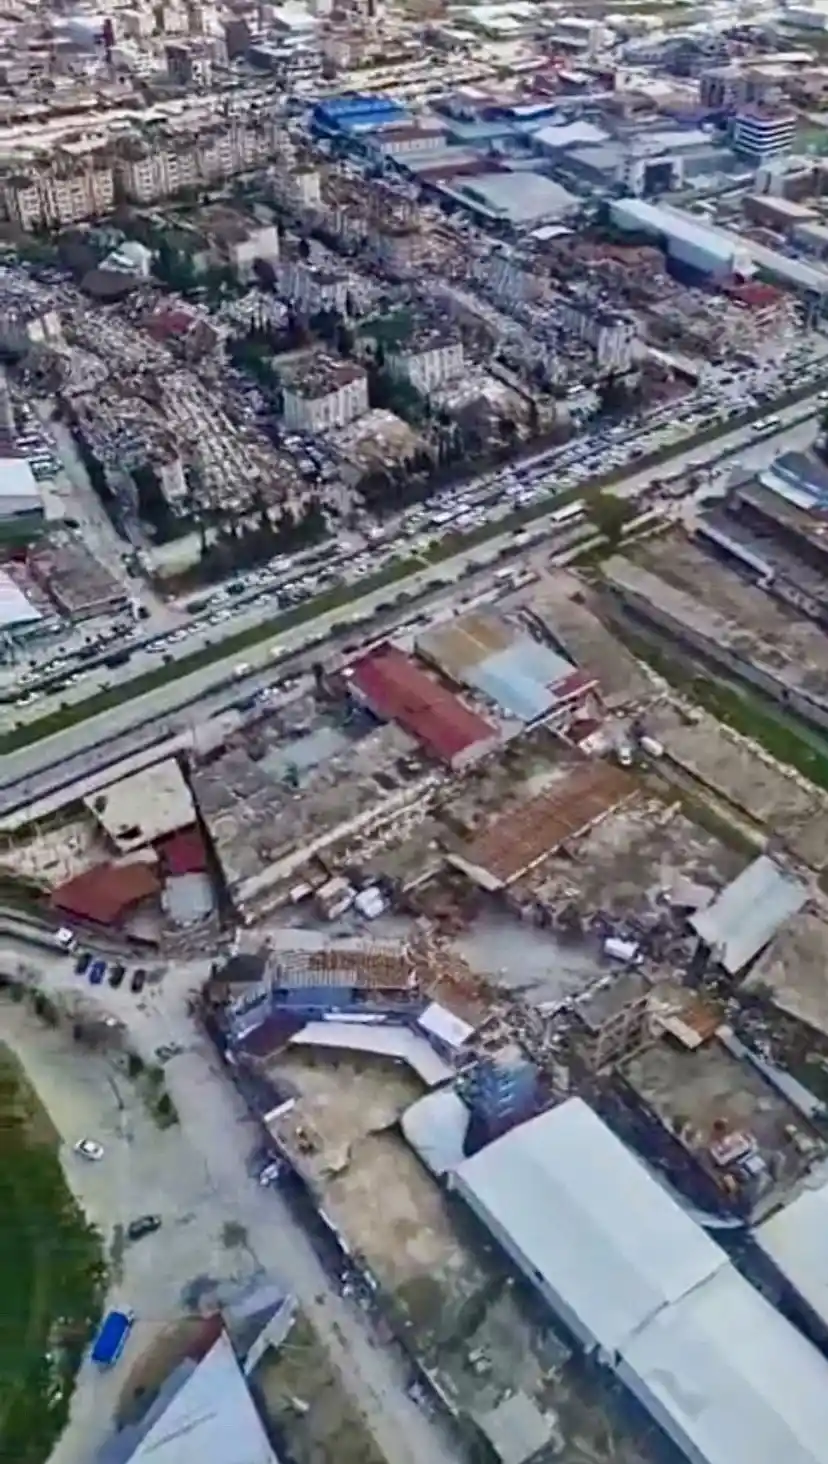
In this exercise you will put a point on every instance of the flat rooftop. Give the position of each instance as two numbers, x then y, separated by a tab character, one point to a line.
783	805
320	375
144	807
711	1102
794	967
582	636
684	591
267	818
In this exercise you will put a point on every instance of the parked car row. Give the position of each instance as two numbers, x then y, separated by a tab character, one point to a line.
95	969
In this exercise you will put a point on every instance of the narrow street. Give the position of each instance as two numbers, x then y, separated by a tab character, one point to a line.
214	1140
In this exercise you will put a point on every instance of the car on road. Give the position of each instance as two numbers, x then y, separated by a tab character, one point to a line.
144	1225
89	1149
83	962
97	971
138	980
117	973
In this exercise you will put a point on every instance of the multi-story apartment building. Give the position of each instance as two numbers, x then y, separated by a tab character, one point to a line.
61	190
614	337
430	357
326	393
152	167
736	86
510	282
310	287
759	133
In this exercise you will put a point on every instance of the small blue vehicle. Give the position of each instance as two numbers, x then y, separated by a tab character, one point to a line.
97	971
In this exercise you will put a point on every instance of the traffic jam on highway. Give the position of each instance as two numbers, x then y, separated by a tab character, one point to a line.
42	682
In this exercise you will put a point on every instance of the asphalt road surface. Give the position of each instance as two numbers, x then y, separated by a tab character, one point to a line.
208	1171
187	702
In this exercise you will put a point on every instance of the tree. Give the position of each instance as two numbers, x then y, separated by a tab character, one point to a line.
610	514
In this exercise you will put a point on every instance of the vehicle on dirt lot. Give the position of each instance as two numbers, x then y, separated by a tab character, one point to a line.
89	1148
144	1225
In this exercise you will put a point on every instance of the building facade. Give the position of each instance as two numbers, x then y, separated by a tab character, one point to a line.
429	364
331	394
59	193
758	134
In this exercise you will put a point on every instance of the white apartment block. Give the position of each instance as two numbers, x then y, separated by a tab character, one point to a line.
429	365
159	172
311	288
510	283
50	197
331	393
259	244
613	337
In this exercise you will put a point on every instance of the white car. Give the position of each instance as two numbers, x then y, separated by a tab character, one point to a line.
89	1148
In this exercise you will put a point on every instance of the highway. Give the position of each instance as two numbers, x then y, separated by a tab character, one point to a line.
180	706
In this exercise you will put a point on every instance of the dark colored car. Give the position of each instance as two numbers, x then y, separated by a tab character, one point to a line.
97	971
82	963
117	973
144	1225
138	980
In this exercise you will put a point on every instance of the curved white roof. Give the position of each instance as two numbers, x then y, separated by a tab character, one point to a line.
584	1219
796	1240
729	1379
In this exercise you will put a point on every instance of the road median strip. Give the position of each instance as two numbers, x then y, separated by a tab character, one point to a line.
450	547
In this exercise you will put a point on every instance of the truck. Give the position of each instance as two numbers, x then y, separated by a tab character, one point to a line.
111	1338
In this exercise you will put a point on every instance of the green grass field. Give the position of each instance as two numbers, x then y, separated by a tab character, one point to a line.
51	1277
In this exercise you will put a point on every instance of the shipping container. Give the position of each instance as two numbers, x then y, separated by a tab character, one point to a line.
111	1339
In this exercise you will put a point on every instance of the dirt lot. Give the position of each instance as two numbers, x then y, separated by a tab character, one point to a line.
389	1208
302	1396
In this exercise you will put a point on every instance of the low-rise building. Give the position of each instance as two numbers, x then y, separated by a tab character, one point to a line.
325	392
21	506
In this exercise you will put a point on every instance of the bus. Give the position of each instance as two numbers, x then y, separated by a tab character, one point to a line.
571	513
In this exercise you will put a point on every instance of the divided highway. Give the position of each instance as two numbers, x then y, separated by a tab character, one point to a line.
181	705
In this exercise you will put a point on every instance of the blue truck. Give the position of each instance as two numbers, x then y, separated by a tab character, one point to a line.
111	1339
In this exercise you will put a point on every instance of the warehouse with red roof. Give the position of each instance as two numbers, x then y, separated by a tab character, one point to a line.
396	689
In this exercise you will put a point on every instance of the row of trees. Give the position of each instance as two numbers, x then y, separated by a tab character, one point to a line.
227	545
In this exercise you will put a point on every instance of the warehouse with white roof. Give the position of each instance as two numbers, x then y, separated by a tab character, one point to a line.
580	1215
795	1240
639	1283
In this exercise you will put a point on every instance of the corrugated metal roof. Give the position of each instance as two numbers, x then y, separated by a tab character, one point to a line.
399	691
15	607
729	1379
796	1240
570	134
212	1416
748	913
392	1041
436	1127
525	681
106	892
637	213
524	678
519	197
581	1214
674	224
